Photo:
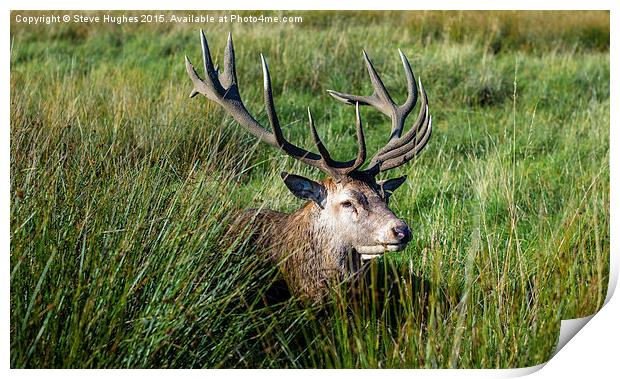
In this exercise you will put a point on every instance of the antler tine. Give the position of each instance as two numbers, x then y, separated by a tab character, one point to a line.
211	86
395	145
361	141
412	90
409	153
381	96
324	161
407	146
399	148
199	85
229	76
270	106
223	89
346	167
210	71
317	140
228	97
381	99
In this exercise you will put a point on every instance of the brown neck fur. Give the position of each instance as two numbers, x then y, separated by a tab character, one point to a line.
304	252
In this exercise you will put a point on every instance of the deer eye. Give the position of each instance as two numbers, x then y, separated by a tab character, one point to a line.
346	204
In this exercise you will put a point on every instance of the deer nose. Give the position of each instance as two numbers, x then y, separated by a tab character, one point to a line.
402	233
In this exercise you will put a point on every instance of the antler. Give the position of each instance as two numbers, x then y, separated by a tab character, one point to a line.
224	90
398	150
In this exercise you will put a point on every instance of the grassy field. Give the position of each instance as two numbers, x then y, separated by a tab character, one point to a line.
121	187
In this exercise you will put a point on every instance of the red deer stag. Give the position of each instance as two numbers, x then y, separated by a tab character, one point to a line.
346	219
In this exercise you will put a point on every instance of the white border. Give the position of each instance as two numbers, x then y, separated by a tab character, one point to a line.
593	351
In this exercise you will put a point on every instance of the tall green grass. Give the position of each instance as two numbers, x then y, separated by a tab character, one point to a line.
122	189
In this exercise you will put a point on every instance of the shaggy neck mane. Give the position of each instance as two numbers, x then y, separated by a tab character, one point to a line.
308	258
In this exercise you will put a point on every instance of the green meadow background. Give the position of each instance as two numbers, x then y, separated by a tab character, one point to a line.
121	188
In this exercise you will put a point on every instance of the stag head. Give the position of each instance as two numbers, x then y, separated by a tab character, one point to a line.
351	206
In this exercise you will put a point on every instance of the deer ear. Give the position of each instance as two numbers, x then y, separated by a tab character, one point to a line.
390	185
305	188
